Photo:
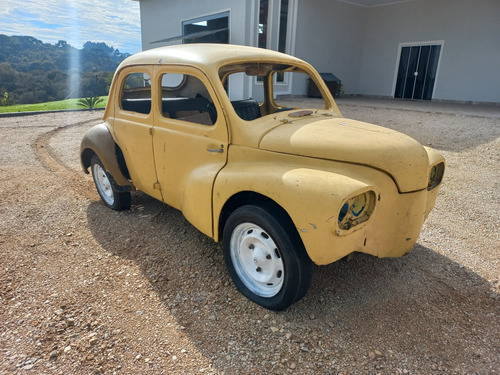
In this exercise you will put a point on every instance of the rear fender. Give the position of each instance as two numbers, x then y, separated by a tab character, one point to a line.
98	140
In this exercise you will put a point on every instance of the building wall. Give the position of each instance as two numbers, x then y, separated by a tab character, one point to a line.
361	45
330	36
470	56
161	19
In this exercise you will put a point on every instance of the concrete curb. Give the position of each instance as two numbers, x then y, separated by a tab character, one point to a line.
18	114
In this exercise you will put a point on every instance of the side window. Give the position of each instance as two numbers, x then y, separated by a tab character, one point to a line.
185	97
136	93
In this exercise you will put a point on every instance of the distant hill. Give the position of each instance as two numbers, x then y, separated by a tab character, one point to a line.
32	71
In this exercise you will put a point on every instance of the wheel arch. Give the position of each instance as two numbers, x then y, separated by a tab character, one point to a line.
85	158
98	141
244	198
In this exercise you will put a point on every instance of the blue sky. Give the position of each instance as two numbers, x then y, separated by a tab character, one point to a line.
114	22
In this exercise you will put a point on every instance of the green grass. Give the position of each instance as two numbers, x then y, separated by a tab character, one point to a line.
49	106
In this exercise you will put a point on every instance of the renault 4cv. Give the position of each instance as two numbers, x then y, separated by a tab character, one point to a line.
282	186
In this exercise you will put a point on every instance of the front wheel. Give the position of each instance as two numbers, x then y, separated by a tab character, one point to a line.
111	197
265	257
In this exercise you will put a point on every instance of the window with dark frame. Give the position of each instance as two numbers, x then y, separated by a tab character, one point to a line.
208	29
263	13
263	28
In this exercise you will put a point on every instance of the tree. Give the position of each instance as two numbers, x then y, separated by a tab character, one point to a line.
6	100
32	71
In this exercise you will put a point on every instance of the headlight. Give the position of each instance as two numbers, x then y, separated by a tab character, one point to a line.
356	210
436	176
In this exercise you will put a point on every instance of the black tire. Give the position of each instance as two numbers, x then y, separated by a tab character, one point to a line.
265	257
104	183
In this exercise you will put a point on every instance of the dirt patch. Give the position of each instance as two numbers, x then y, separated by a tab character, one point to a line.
88	290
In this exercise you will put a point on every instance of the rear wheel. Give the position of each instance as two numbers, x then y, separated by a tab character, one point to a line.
103	182
265	257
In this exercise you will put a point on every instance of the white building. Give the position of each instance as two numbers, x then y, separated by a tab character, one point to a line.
417	49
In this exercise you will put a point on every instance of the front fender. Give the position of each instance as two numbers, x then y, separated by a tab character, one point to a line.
312	198
98	140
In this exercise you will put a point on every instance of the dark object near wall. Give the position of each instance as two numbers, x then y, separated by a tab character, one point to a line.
332	82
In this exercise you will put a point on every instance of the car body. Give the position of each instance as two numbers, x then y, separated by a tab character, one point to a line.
281	186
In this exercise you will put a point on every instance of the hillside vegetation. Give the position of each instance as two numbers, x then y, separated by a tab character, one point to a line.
33	72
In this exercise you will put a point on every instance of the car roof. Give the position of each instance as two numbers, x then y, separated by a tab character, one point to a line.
204	55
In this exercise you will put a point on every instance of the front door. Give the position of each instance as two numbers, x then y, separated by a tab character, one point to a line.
190	140
417	72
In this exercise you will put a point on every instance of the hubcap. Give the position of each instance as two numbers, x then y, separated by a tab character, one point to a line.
103	184
257	260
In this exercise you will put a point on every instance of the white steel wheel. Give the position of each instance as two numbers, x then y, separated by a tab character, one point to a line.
114	199
257	260
103	184
265	256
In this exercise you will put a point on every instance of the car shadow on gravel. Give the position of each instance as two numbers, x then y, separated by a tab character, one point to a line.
423	308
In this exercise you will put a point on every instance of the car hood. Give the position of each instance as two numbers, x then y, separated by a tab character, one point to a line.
345	140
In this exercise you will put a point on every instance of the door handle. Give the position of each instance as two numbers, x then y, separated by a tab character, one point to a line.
217	150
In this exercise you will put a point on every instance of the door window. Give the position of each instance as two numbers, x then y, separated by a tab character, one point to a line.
136	93
186	98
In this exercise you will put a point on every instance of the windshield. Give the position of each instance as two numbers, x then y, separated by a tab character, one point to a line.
261	89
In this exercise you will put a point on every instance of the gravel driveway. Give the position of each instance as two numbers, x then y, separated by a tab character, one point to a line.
86	290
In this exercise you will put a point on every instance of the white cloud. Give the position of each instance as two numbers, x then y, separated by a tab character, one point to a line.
115	22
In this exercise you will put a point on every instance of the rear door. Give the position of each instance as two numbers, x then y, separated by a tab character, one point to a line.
133	124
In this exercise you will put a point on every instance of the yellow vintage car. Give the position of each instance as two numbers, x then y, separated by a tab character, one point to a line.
280	185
